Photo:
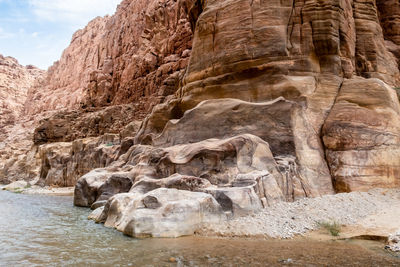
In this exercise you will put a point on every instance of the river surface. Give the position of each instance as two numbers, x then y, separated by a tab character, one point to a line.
50	231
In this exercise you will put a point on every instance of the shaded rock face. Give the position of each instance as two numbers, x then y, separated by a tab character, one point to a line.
63	163
68	126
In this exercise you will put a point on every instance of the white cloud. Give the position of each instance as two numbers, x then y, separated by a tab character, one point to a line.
75	12
37	31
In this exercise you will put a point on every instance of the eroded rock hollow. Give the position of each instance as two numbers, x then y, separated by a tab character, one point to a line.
243	103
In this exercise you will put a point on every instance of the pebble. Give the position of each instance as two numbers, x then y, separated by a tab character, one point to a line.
345	208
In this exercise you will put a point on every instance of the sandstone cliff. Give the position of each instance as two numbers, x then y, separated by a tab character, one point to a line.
15	80
245	103
140	53
15	129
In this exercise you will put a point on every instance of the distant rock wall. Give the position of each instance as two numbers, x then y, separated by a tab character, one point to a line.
140	53
17	160
15	80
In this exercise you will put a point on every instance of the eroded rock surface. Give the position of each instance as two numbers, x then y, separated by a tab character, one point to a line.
240	172
15	80
362	136
67	126
161	213
17	158
62	164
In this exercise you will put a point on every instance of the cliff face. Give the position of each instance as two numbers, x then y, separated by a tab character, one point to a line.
15	80
138	53
15	128
255	102
66	80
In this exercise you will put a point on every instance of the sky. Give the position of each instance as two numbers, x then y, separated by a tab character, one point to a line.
37	31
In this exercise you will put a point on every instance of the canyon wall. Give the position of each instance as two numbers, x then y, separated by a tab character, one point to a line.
15	80
16	130
139	53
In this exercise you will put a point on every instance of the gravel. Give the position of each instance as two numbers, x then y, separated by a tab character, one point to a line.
285	220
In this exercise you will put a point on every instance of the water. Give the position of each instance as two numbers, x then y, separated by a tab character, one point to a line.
50	231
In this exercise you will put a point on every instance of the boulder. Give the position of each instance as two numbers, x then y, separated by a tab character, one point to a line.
394	242
62	163
87	187
96	215
162	213
362	136
99	185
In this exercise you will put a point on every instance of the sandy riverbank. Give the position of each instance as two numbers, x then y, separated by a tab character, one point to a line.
376	212
23	187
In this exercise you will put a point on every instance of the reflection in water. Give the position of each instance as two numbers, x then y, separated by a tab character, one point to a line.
50	231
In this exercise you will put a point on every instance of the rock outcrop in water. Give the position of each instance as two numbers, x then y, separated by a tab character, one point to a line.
245	103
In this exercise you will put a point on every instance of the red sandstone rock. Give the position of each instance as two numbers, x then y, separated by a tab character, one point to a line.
15	80
139	53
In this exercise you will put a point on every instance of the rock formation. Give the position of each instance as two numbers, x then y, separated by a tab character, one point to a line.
15	80
394	242
139	53
245	103
16	129
362	136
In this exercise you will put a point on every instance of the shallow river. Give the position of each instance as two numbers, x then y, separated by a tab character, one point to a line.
50	231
